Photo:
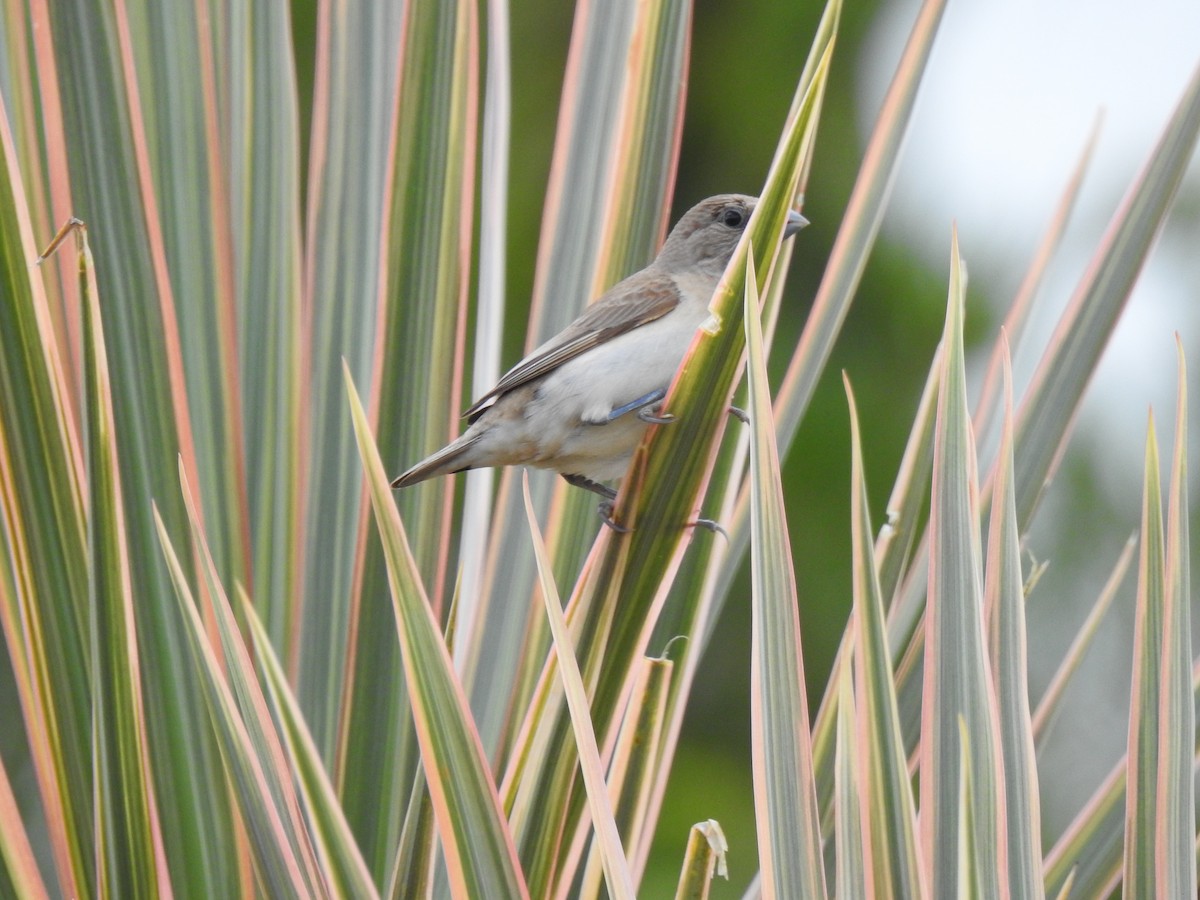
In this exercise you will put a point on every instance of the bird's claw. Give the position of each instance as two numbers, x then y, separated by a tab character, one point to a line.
648	409
740	414
605	509
710	525
653	415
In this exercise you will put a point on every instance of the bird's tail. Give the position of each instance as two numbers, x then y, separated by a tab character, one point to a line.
448	460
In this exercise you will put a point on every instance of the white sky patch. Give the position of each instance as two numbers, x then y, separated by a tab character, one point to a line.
1004	112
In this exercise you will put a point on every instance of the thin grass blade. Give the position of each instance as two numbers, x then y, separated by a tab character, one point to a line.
1046	413
130	858
44	589
256	84
277	863
348	197
1004	599
333	841
1141	790
1021	308
19	874
489	314
1089	852
889	812
169	75
415	393
967	850
957	685
785	800
704	858
1050	402
412	872
110	131
617	876
851	815
1175	836
631	772
478	847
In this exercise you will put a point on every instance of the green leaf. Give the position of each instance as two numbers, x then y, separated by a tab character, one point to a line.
255	71
967	850
632	770
859	227
108	174
476	841
333	842
705	855
44	589
412	872
957	678
130	860
249	751
1176	814
1046	412
851	810
785	799
350	186
1141	807
1021	309
1005	602
892	852
616	868
417	388
19	873
169	70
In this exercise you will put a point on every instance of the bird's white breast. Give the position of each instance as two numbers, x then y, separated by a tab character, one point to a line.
586	389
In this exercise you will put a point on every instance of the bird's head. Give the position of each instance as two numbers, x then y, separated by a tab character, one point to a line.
706	235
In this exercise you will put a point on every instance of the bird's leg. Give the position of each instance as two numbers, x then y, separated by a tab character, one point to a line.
606	505
594	486
714	527
644	405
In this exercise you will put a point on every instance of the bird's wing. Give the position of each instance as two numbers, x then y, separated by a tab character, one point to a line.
639	299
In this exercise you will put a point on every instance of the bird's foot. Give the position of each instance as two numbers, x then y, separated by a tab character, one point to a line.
740	414
609	495
647	407
605	509
710	525
653	415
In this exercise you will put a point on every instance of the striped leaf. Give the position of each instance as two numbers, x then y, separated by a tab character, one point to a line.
957	684
785	800
889	813
476	841
130	859
44	588
1004	598
415	386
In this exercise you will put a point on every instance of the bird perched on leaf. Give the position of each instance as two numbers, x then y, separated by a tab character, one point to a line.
580	403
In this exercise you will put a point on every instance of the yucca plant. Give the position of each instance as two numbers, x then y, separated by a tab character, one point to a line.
245	667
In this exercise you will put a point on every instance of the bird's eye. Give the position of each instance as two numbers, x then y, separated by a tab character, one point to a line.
733	217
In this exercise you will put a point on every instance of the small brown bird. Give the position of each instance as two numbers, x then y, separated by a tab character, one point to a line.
580	403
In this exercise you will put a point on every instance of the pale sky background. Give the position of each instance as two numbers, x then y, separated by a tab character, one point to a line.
1003	115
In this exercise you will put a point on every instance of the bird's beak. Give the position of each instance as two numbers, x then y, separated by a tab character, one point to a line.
795	222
